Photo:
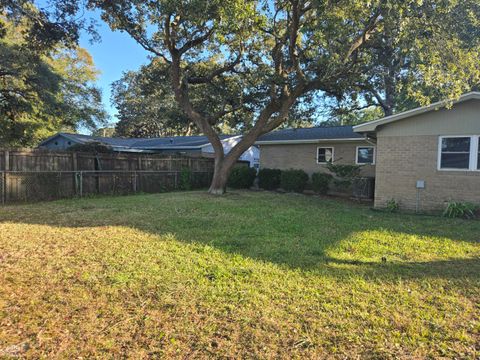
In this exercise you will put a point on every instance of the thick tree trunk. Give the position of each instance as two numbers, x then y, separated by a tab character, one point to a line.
223	167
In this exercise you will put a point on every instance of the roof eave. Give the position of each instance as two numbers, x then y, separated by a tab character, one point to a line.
309	141
371	127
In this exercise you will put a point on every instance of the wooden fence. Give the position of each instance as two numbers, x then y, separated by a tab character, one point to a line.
33	175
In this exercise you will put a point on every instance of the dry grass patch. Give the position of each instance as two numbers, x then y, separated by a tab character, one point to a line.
255	275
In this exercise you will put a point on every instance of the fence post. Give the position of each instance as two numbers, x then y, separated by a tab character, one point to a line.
175	185
81	183
4	187
7	160
5	176
135	182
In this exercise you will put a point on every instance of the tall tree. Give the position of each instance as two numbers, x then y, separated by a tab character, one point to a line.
422	53
146	106
42	92
266	57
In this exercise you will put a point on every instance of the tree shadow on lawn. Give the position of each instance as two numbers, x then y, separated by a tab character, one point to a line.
306	233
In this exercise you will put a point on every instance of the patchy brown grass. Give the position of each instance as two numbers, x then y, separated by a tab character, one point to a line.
255	275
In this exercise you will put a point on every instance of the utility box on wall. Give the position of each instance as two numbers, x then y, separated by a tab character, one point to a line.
420	184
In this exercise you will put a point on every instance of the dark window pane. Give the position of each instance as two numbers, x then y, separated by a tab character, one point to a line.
455	161
324	155
478	161
456	144
365	155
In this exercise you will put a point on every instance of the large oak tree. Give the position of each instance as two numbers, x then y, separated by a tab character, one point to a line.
278	53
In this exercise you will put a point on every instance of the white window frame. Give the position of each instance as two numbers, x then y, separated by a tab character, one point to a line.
326	147
374	155
474	148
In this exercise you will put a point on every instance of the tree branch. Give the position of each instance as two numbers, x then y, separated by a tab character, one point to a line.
208	78
366	34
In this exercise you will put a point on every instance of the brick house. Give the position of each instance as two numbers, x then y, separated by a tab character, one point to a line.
428	156
310	149
421	158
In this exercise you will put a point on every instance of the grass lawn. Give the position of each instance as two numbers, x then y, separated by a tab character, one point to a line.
252	275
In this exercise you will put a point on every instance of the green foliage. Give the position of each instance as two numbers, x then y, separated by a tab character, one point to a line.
146	105
257	63
269	179
185	179
344	174
423	51
43	92
293	180
392	206
242	177
457	209
321	182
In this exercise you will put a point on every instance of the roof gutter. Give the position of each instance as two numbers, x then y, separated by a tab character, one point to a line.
314	141
372	125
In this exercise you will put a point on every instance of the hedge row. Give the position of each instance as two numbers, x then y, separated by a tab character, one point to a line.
293	180
242	177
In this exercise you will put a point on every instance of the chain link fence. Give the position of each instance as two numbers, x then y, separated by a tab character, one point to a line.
32	186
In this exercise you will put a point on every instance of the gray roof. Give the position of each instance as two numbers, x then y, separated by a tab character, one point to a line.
313	134
173	142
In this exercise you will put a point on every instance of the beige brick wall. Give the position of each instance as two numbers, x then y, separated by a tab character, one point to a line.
402	160
304	156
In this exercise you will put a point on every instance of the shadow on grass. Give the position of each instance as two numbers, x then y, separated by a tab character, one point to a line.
298	232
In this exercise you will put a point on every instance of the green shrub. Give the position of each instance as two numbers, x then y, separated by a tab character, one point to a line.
269	179
185	179
321	182
392	205
242	177
457	209
293	180
345	174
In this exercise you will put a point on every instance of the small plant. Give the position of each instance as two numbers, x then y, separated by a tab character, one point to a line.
321	182
458	209
185	179
269	179
344	174
392	205
294	180
242	177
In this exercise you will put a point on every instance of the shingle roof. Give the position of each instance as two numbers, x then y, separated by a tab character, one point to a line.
174	142
313	133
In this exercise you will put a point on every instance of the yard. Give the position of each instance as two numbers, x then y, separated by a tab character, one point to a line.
252	275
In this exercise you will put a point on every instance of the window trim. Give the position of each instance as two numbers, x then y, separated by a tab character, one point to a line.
326	147
374	154
474	152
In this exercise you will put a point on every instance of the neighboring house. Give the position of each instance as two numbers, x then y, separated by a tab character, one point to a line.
428	156
166	145
310	149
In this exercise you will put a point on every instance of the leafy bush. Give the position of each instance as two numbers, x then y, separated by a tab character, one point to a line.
321	182
293	180
344	174
269	179
242	177
457	209
392	205
185	179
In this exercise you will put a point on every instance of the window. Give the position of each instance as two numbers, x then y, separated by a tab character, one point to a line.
459	153
478	155
324	155
365	155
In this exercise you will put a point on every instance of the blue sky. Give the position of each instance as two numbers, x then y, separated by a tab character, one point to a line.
114	54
